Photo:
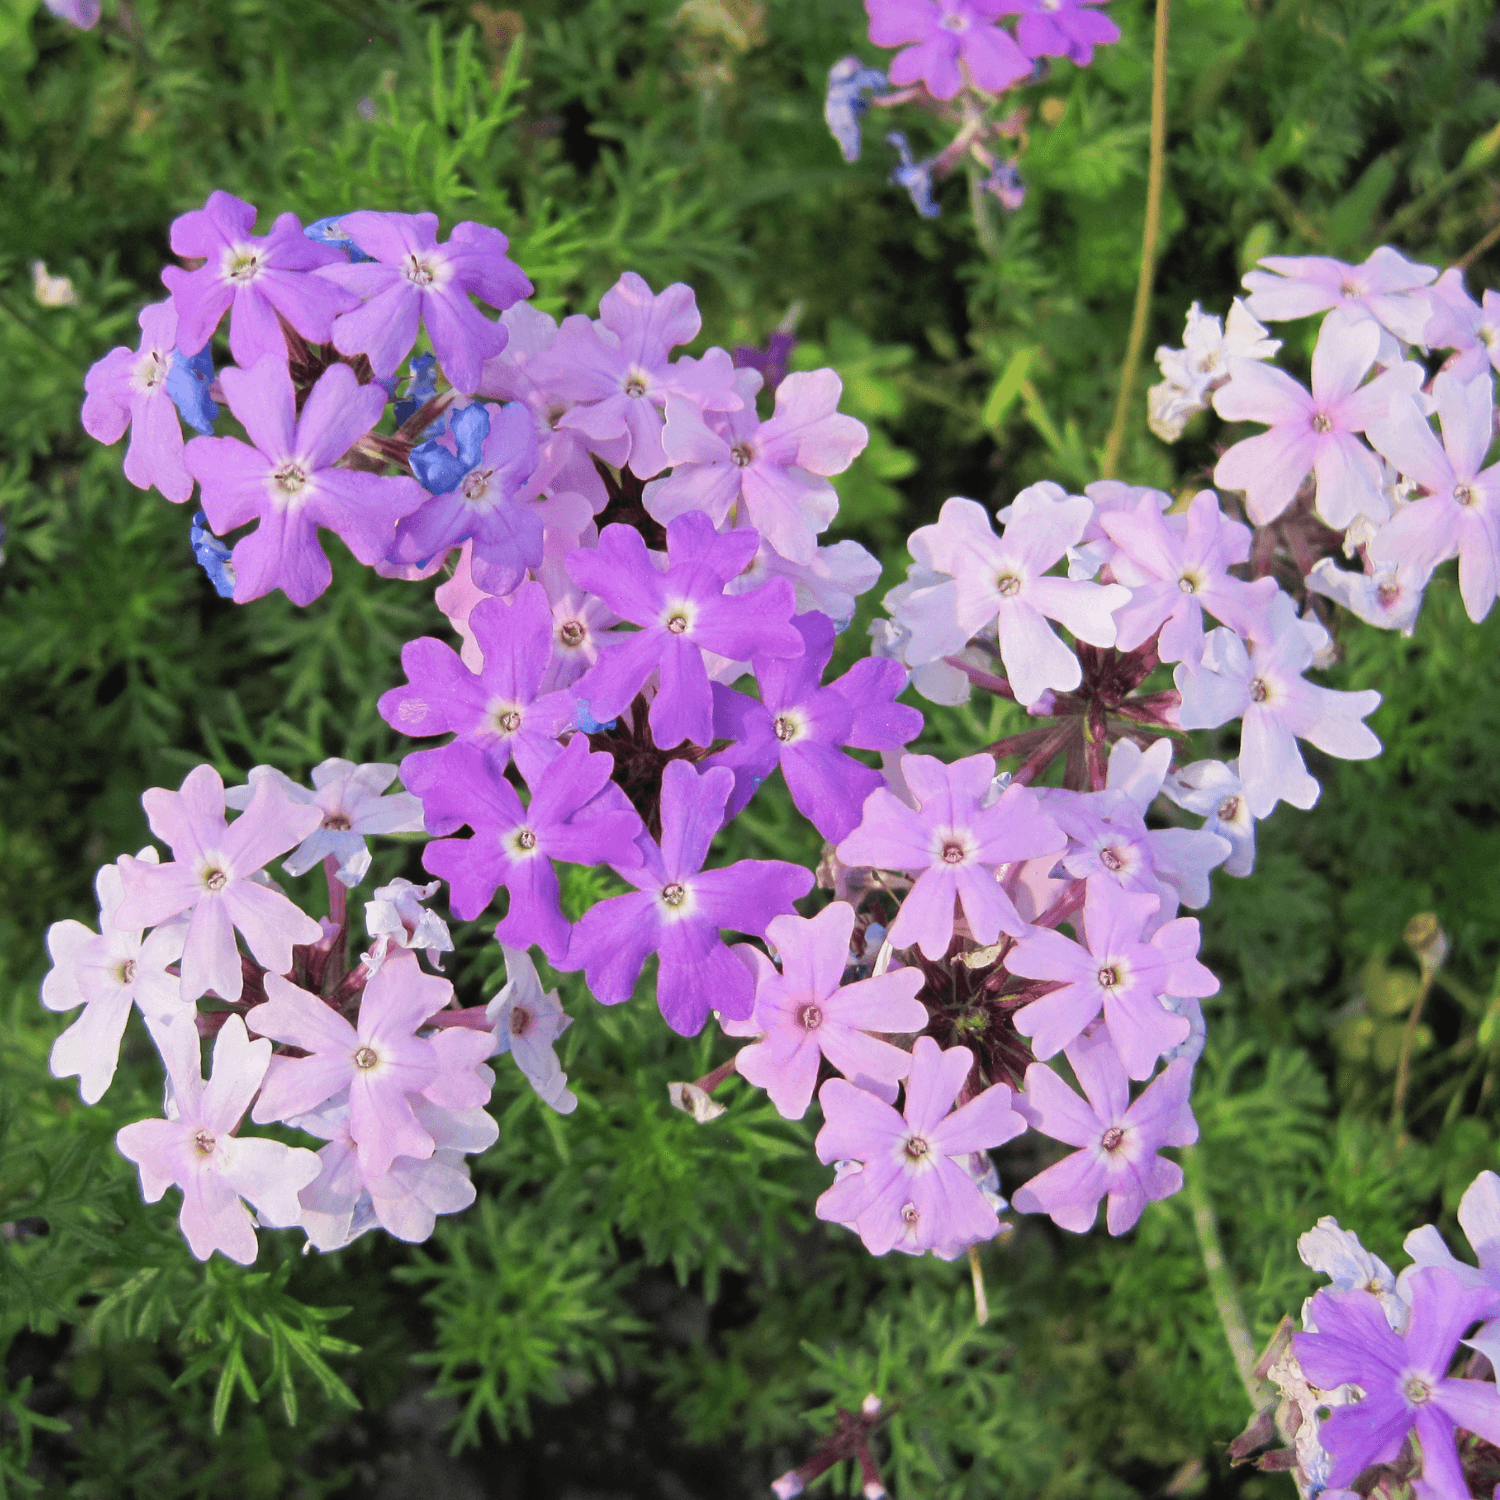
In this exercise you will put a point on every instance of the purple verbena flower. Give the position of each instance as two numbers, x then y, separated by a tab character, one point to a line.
1213	789
200	1152
210	876
500	708
1404	1378
953	841
527	1023
1313	432
84	14
1112	970
683	611
258	278
1118	1141
129	388
290	480
947	43
804	726
1061	28
380	1059
617	374
514	846
1479	1218
1385	287
803	1013
1458	322
1460	513
910	1194
678	909
106	972
767	475
412	279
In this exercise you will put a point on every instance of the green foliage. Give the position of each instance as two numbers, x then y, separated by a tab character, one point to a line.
624	1256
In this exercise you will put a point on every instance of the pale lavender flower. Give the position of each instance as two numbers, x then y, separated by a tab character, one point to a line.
1404	1378
953	841
412	279
84	14
1389	594
526	1023
678	909
768	475
1112	970
1313	433
1460	513
845	105
1061	28
380	1060
352	801
290	480
397	918
1479	1218
1118	1142
106	972
1386	287
258	278
830	584
941	39
1458	322
1004	579
803	727
1191	374
803	1013
211	876
200	1153
514	846
1337	1254
128	388
1215	791
684	611
1264	686
617	374
910	1194
1176	571
913	175
500	708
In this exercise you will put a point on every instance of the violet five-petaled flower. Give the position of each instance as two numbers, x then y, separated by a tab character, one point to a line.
254	279
909	1195
683	612
411	279
1112	970
803	727
942	40
678	909
210	876
1404	1377
500	708
954	840
380	1059
804	1012
1117	1141
200	1152
1061	28
289	480
514	846
1385	287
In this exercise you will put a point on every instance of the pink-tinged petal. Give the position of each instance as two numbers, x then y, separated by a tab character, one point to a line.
1132	1191
384	1127
155	454
1385	394
611	942
234	477
154	893
1035	657
985	1121
239	1065
786	1068
384	328
1442	1311
159	1148
1345	350
441	694
692	812
69	944
362	509
1098	1069
269	826
698	974
1479	1217
934	1081
933	61
863	1059
106	407
1271	765
1473	1404
852	1196
1086	609
994	60
295	1085
1054	1020
892	836
1068	1192
462	1081
1269	469
857	1126
710	488
462	337
265	403
886	1002
894	23
1055	1110
1142	1029
535	912
213	1218
221	221
1310	285
1330	719
987	908
338	412
210	960
1478	566
1045	954
1349	480
1466	410
399	998
271	924
282	552
90	1048
1405	438
254	332
291	1015
270	1175
1259	392
925	918
1442	1473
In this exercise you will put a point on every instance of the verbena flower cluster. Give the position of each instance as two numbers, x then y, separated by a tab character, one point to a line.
1382	1386
633	558
958	61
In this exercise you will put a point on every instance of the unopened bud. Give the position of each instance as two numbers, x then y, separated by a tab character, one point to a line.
870	1406
874	1490
789	1485
1425	937
692	1100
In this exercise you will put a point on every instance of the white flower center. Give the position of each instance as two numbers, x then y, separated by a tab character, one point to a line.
1417	1389
677	623
506	720
214	879
151	368
242	264
788	728
1109	978
419	271
1188	584
290	478
476	484
954	22
572	633
673	895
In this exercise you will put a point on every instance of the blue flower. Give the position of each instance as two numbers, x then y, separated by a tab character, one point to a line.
586	721
441	471
845	105
420	389
188	380
330	231
1005	183
212	555
914	176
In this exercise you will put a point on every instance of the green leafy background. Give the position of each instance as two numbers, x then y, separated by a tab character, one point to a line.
638	1306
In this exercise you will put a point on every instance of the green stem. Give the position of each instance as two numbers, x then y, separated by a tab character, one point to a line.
1408	1040
989	241
1156	178
1220	1282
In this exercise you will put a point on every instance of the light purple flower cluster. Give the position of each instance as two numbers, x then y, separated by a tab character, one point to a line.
645	615
1383	1360
958	62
